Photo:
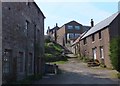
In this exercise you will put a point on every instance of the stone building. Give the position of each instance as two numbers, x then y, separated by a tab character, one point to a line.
22	40
68	33
95	43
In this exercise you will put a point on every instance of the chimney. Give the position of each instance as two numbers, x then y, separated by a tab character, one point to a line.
56	24
48	31
92	23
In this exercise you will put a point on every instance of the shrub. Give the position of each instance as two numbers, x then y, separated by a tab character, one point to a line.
118	75
115	53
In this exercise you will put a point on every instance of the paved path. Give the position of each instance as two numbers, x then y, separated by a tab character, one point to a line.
75	72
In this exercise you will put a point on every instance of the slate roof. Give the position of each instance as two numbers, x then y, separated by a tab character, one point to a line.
101	25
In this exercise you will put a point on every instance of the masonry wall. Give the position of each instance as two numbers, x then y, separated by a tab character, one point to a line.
16	38
86	50
61	35
114	27
0	43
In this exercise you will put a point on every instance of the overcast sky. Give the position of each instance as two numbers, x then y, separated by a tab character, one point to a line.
83	11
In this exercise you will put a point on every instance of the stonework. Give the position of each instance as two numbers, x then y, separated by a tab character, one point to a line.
99	47
22	34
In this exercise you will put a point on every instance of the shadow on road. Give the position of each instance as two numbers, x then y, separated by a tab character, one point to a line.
70	78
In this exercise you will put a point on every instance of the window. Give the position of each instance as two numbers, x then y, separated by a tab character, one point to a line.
71	35
30	64
20	62
94	53
26	25
70	27
93	37
100	35
6	61
77	35
77	27
84	41
101	52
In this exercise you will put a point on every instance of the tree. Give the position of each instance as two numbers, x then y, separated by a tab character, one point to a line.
115	53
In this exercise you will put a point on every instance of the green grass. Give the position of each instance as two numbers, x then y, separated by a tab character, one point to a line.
60	62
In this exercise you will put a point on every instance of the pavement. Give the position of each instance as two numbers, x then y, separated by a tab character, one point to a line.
76	72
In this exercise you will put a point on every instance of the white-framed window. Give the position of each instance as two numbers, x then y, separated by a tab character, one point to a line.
101	52
70	27
20	62
94	53
77	27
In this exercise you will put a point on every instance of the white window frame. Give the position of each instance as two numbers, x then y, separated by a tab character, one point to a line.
101	52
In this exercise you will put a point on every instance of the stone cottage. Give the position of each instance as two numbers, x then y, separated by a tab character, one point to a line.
95	42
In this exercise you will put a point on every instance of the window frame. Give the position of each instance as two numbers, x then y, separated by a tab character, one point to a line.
77	28
20	62
101	52
70	27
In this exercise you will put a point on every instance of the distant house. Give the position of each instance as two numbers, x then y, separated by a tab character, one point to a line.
68	33
22	40
52	33
95	43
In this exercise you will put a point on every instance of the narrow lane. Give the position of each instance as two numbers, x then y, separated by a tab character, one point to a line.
75	72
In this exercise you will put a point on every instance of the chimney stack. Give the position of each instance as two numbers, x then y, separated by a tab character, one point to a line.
48	31
92	23
56	24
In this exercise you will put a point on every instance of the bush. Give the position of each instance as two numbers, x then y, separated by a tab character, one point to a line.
115	53
118	75
53	52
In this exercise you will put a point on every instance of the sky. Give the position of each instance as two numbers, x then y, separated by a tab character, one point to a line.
63	11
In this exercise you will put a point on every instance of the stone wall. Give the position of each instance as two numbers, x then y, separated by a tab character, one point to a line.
23	27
